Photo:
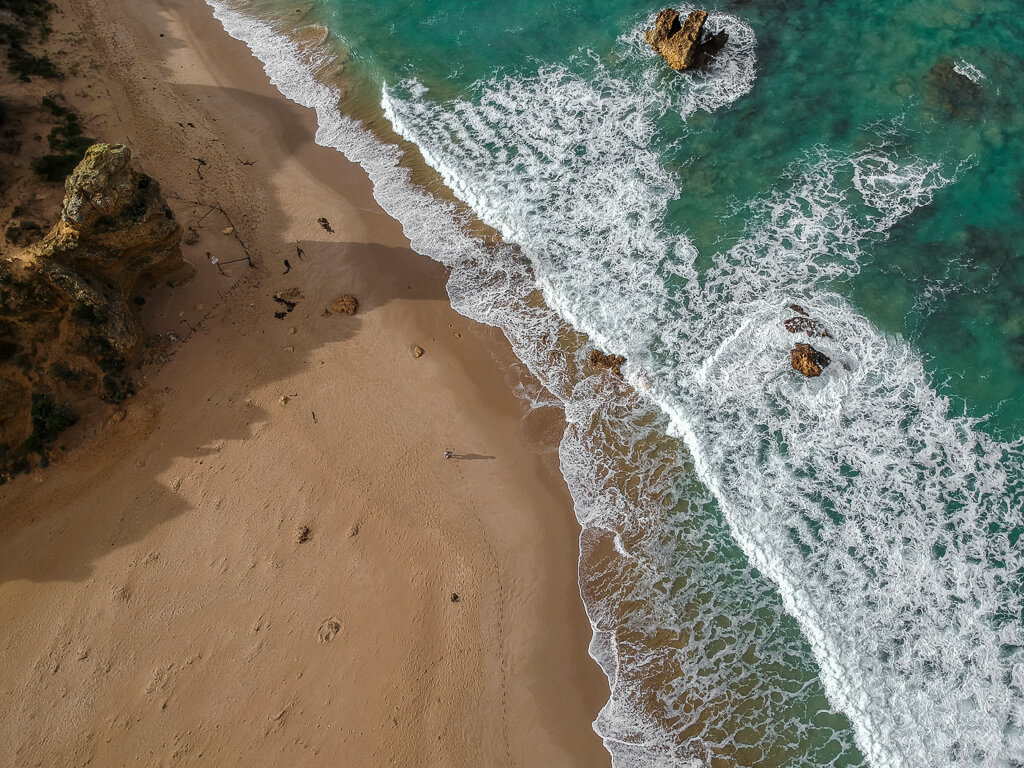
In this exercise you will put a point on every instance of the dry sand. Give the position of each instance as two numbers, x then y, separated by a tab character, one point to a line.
156	604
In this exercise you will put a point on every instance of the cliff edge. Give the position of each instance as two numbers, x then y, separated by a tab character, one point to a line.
67	325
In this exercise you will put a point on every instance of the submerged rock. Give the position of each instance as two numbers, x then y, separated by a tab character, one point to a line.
805	323
683	45
612	363
809	361
68	300
808	325
952	91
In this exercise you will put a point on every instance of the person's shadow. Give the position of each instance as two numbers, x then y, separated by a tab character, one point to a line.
471	456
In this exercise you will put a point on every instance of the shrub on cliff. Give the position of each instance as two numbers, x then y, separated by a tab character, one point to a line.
28	16
49	419
67	144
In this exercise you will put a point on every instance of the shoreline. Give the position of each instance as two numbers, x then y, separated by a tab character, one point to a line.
180	616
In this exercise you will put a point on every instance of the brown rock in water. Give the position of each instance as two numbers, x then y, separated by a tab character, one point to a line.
66	312
612	363
345	305
681	45
807	325
809	361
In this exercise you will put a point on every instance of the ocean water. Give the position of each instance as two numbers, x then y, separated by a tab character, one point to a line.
779	571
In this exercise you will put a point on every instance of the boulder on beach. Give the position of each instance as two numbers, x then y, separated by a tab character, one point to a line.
345	305
683	44
807	360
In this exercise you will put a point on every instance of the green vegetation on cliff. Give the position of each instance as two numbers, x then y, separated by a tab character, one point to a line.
30	20
67	144
49	419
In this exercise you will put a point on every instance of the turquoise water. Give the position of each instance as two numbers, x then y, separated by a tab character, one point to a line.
779	571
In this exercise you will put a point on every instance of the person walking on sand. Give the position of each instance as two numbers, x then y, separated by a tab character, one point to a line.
448	454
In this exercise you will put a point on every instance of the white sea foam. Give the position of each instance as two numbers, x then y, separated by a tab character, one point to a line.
882	521
841	490
969	71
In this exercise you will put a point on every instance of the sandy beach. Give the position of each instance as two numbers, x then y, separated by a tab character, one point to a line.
158	603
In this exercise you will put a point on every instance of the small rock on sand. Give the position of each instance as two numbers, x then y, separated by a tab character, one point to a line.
417	350
328	630
228	231
345	305
302	534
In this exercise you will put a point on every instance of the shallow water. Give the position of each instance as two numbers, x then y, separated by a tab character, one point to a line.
780	571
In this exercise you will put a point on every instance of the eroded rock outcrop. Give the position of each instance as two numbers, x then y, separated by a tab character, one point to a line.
608	362
809	361
67	326
684	45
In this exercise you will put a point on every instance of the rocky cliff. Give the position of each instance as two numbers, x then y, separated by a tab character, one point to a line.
67	327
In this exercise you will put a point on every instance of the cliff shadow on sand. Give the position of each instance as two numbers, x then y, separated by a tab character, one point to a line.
236	312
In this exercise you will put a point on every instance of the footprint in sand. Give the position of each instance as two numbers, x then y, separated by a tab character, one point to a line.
328	630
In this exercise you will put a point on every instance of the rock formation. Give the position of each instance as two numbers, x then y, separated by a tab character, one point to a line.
805	323
66	304
115	225
683	45
612	363
809	361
